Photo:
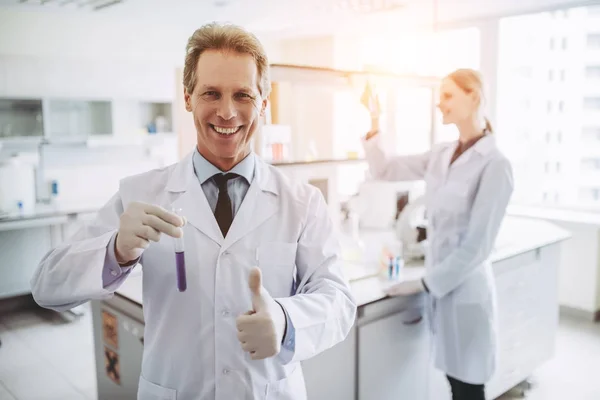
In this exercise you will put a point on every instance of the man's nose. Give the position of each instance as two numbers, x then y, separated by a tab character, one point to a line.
226	109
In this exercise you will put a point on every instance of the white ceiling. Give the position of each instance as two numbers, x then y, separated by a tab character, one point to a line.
293	17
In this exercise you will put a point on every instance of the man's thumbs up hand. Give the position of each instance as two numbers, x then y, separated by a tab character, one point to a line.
260	331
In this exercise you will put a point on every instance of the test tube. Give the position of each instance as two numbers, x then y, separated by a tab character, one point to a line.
180	258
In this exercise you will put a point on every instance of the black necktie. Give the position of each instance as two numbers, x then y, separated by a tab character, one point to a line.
224	210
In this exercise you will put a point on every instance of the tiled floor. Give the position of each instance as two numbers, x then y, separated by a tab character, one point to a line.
45	357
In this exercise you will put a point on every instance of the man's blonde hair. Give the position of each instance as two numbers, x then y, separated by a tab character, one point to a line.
225	37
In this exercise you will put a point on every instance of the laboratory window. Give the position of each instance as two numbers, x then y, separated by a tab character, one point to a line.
591	133
593	10
590	164
546	73
593	40
592	71
591	103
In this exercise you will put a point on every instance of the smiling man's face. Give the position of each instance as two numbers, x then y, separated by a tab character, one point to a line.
226	105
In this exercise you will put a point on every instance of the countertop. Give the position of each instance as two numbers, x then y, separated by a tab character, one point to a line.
47	211
556	214
44	215
517	236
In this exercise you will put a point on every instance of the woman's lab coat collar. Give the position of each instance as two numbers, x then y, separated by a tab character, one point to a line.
482	147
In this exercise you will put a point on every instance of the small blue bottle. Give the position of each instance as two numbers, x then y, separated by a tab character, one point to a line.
399	263
391	268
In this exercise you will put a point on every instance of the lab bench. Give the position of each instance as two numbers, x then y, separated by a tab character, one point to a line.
388	353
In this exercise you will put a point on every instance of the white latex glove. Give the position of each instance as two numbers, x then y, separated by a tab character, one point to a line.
261	330
406	288
140	224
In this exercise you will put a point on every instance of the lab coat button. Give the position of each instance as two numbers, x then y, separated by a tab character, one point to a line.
225	313
225	253
225	371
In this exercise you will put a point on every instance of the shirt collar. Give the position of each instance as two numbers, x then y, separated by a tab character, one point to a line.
205	170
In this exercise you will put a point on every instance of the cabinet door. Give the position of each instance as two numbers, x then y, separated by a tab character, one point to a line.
331	374
118	342
22	250
394	358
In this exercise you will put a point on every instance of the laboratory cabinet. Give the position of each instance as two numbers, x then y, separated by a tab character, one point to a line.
332	375
528	312
25	240
393	357
20	117
118	345
21	251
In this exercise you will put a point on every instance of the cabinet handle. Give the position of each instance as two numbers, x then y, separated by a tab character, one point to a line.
414	321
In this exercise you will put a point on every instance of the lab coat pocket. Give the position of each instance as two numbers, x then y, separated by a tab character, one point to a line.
289	388
277	261
151	391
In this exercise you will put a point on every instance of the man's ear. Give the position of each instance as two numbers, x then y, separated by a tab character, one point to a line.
188	100
263	107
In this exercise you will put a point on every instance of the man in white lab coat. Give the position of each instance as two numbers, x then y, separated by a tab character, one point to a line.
236	331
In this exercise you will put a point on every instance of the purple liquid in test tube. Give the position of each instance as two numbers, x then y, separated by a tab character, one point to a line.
180	260
181	278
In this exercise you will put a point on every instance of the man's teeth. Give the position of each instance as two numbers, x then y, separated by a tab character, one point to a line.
226	131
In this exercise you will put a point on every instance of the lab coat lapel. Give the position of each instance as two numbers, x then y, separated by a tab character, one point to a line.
187	194
260	203
445	160
462	159
483	146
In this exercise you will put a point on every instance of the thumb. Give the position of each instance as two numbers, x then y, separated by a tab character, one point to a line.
255	285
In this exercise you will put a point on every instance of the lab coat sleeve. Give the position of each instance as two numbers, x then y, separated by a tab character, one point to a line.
72	273
394	168
489	207
113	274
323	309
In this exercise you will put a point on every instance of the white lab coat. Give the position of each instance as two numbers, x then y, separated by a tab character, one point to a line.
466	203
191	351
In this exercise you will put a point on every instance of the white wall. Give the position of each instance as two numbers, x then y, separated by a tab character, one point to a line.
83	55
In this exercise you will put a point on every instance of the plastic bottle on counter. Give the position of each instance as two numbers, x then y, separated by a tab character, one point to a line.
53	192
353	248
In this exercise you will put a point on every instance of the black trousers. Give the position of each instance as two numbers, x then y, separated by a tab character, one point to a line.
466	391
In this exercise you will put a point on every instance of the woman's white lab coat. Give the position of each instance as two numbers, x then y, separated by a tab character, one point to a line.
466	203
191	349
